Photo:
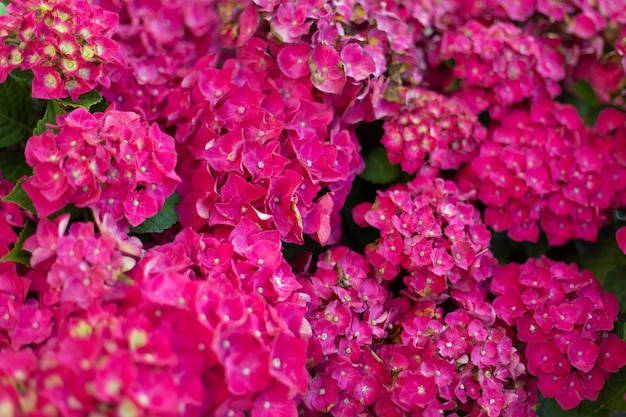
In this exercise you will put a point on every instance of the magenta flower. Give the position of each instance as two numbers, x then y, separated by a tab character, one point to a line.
327	73
127	158
556	323
583	354
414	390
357	63
293	60
63	65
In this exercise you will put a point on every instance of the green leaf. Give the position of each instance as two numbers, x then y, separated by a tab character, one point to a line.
163	220
601	256
501	247
17	254
100	107
85	100
615	282
584	90
19	197
535	250
378	169
3	10
24	77
454	85
16	112
13	164
52	111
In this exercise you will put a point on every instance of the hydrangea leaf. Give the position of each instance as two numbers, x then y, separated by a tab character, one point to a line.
24	77
14	165
535	250
16	112
52	110
19	197
501	247
378	169
354	235
85	100
584	90
17	254
601	256
163	220
621	329
3	9
615	282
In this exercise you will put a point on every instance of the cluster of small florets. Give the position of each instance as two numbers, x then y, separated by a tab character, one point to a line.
242	306
64	43
148	332
348	315
611	125
432	129
72	270
256	145
111	161
582	18
81	268
160	42
565	319
125	361
540	167
432	231
499	65
455	362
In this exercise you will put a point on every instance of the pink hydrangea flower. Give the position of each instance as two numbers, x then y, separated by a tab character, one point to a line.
129	174
65	44
564	320
534	176
434	130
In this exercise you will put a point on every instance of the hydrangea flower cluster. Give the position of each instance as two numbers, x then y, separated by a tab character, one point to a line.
432	129
111	161
117	360
258	145
583	19
540	167
70	271
119	298
455	362
243	315
79	267
499	65
348	314
65	43
160	42
387	356
429	228
564	319
156	331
